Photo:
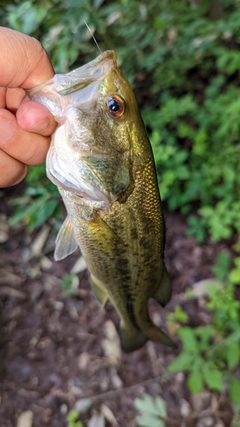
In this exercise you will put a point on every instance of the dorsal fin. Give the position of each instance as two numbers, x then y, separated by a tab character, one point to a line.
65	242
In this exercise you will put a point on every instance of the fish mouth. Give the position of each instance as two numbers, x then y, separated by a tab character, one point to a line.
76	88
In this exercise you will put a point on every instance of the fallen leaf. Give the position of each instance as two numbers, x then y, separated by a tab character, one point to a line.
3	236
46	263
11	292
83	361
39	241
79	266
97	421
111	344
185	408
109	416
82	405
201	401
25	419
200	289
9	278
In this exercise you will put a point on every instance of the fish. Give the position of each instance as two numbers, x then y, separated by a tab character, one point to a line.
101	160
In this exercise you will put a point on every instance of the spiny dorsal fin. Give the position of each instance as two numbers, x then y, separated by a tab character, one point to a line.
65	242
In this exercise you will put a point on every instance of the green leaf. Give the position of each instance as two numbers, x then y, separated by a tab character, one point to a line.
195	382
212	376
235	276
180	315
189	340
161	406
234	388
232	355
24	213
148	404
147	420
182	362
73	416
152	411
42	214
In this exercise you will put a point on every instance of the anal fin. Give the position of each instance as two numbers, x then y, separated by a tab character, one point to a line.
66	242
98	291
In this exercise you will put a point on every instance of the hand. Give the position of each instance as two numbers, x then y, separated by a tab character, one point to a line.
25	126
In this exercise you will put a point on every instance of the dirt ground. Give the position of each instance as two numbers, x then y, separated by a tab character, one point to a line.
56	349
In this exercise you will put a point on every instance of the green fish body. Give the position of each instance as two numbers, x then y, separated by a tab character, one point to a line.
101	160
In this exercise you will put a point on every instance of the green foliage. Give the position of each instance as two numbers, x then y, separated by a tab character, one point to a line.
211	354
183	61
68	284
178	316
154	411
39	202
222	267
73	419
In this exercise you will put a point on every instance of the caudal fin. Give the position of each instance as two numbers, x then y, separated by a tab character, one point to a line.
157	335
164	292
131	339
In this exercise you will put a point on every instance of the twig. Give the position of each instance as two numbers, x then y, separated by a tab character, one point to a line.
112	393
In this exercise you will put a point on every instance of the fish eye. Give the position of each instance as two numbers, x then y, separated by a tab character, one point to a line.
116	105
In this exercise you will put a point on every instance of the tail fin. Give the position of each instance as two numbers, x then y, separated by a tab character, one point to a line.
131	339
157	335
134	339
164	292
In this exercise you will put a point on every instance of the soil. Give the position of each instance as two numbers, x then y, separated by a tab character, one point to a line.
56	349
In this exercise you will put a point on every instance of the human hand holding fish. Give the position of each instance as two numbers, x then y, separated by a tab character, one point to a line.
25	126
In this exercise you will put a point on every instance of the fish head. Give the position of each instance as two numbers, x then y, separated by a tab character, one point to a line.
92	149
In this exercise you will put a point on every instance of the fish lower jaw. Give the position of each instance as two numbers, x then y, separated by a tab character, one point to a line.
89	195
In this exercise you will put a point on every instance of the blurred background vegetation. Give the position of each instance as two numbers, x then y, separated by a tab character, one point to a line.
183	60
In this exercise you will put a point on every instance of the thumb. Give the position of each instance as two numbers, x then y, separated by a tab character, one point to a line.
23	60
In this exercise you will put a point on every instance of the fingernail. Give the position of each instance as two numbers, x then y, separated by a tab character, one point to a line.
40	126
6	130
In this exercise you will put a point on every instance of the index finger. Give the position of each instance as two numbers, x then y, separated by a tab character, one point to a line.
30	65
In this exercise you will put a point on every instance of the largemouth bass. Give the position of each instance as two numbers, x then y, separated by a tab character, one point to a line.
101	160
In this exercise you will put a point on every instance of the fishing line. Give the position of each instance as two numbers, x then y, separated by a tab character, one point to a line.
89	29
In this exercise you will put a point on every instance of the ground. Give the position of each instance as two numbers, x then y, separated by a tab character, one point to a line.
57	349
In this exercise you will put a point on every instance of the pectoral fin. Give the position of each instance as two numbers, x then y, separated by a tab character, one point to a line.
164	291
65	242
98	291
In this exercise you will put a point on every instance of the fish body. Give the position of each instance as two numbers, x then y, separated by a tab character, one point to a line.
101	160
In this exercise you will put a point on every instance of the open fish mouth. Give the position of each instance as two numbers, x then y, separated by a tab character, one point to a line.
76	88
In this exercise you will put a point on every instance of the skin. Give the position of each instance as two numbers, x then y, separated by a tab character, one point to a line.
25	126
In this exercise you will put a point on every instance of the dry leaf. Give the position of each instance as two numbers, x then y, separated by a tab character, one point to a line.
199	289
111	344
82	405
97	421
109	416
39	241
11	292
79	266
25	419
